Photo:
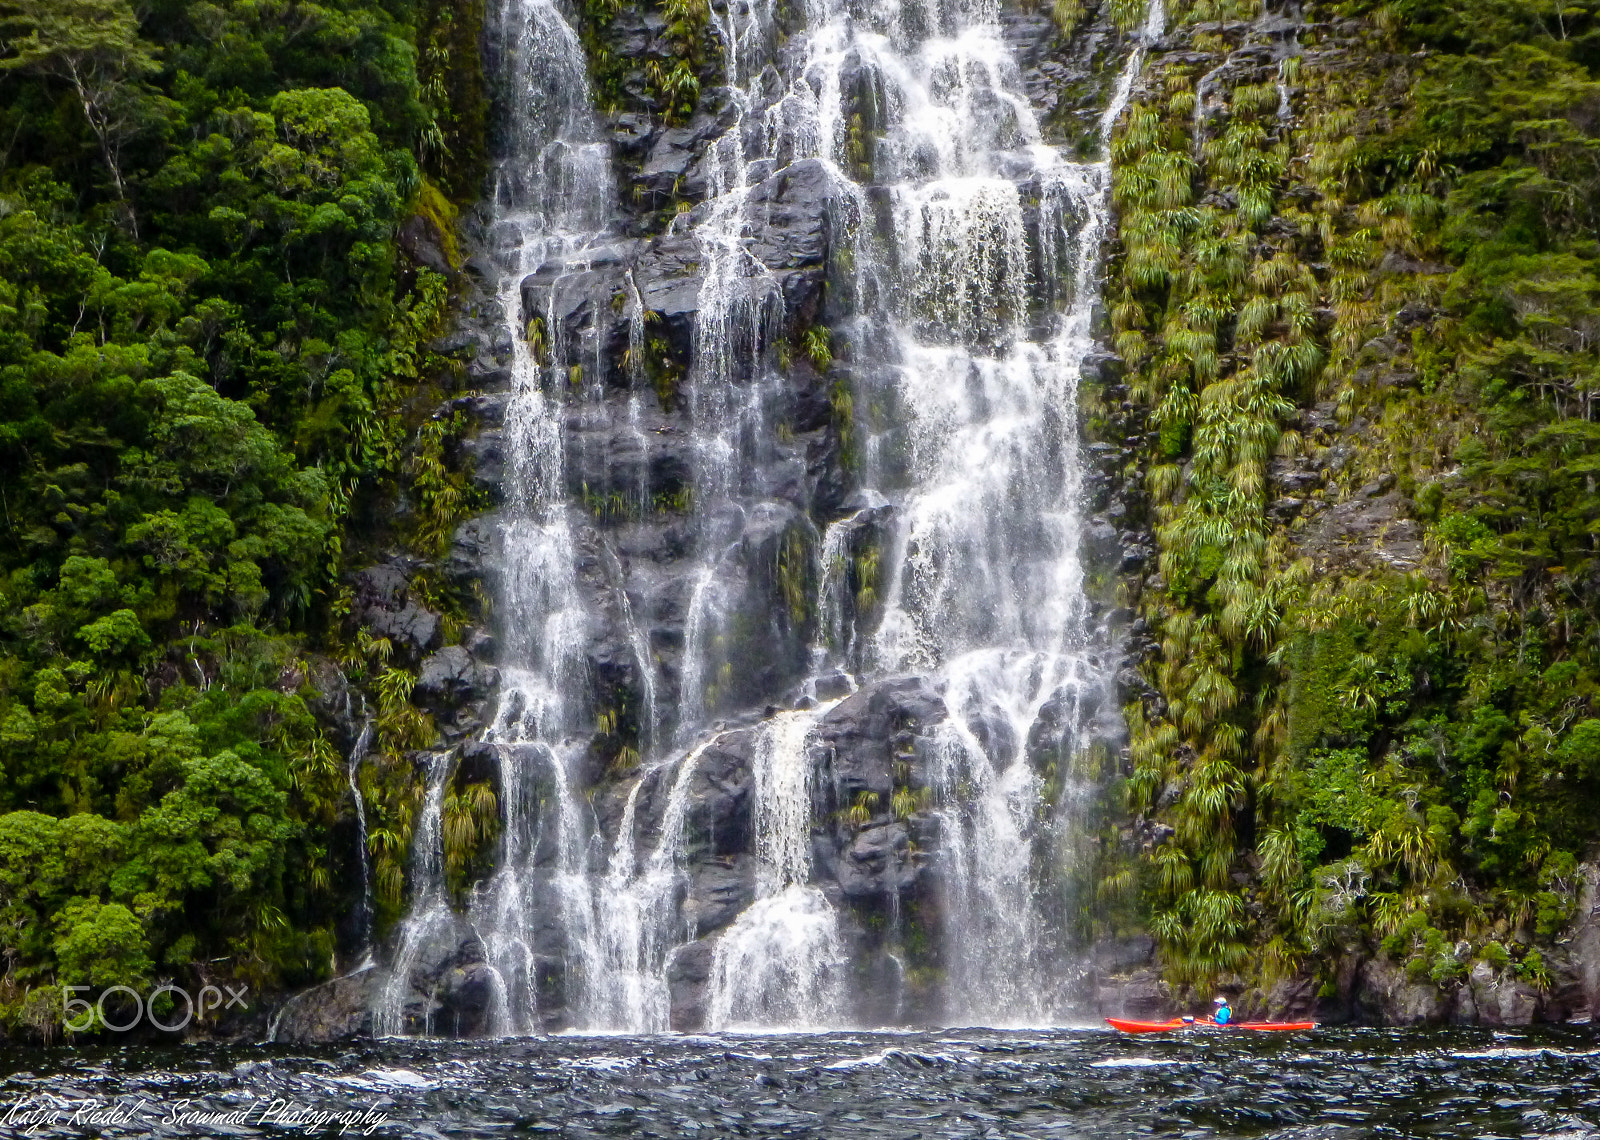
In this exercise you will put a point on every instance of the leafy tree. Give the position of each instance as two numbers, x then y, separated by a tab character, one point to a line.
210	354
95	46
101	944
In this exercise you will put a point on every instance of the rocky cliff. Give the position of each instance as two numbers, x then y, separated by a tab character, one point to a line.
1354	599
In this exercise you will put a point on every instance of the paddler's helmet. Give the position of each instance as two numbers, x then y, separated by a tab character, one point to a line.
1219	1001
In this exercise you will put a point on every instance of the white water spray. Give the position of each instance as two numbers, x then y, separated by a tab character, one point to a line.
781	964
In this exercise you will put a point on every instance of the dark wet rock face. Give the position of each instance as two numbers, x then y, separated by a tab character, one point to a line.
1371	527
455	687
334	703
450	998
635	453
1384	994
384	605
687	975
333	1011
593	296
867	866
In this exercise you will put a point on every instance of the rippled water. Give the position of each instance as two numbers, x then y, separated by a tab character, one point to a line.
1061	1083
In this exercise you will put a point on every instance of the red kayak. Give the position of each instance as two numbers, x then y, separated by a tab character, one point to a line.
1179	1023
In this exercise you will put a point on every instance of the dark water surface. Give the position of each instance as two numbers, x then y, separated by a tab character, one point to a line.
1327	1084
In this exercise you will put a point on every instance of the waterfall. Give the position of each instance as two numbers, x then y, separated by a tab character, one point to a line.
979	460
984	584
963	287
781	964
358	753
552	199
631	925
553	202
430	904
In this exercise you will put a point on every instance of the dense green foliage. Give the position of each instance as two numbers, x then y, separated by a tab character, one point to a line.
208	336
1357	751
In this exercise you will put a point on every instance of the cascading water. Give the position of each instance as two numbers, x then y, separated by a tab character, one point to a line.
358	753
984	585
634	924
430	903
552	199
781	964
966	279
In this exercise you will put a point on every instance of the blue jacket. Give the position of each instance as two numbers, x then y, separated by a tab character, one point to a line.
1223	1015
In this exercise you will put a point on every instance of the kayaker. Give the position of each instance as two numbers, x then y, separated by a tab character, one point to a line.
1224	1013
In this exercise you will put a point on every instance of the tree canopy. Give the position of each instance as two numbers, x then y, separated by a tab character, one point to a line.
208	340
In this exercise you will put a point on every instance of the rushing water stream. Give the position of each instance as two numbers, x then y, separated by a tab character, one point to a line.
1328	1085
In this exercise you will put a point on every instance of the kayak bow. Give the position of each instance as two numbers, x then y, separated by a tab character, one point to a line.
1176	1023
